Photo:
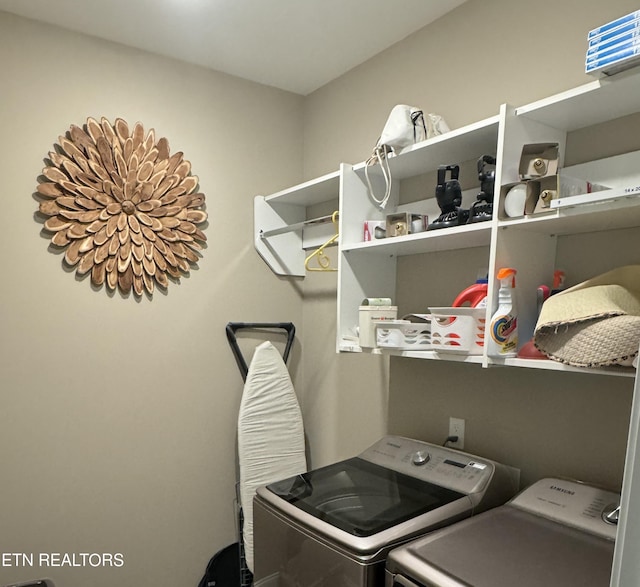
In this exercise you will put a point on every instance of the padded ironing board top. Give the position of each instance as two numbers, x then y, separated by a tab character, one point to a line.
271	443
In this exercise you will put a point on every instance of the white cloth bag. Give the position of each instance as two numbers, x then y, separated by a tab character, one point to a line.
405	126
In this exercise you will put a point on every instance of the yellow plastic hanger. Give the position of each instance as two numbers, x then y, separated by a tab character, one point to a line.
323	260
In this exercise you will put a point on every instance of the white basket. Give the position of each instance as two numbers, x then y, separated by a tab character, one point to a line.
403	335
458	330
368	316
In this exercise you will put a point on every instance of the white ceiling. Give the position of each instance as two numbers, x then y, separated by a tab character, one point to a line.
295	45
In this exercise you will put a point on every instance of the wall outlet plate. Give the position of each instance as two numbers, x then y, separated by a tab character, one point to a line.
456	428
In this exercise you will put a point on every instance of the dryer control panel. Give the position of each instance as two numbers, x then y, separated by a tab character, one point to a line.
442	466
572	504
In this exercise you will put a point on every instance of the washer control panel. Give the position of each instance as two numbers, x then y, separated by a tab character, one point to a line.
442	466
573	504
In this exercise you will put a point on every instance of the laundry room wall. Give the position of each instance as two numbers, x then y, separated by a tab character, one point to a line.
118	419
117	431
464	66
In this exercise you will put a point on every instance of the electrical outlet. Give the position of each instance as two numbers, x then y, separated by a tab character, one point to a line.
456	428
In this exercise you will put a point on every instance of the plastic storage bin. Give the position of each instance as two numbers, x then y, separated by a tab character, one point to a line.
404	335
458	330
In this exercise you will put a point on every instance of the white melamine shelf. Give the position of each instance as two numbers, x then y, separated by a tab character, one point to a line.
424	355
549	365
462	144
434	356
316	191
592	103
279	220
539	364
612	214
444	239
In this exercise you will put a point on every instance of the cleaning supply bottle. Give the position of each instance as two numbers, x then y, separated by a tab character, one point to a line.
558	281
503	329
475	295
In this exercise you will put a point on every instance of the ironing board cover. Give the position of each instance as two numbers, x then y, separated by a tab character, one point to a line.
270	432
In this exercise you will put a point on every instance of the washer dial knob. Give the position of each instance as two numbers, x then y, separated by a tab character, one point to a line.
611	513
421	457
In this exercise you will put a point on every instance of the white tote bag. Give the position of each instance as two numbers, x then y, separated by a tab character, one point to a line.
405	126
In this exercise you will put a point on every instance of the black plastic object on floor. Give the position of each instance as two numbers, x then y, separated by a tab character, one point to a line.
223	570
38	583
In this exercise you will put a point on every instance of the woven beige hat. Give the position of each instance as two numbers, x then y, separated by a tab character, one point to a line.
595	323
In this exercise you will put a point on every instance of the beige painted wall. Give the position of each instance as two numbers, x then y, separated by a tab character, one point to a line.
344	396
117	427
117	432
483	54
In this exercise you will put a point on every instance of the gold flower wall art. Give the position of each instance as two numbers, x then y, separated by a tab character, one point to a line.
121	207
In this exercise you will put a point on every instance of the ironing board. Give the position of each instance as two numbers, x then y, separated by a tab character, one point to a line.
271	443
233	327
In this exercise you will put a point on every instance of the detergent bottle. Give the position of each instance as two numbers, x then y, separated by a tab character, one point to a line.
503	329
475	295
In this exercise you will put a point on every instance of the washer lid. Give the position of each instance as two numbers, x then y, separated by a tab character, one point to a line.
360	497
504	547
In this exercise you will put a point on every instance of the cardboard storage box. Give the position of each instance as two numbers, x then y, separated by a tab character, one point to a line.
541	182
403	223
542	191
538	160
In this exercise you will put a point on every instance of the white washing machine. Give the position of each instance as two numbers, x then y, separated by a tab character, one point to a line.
334	526
556	533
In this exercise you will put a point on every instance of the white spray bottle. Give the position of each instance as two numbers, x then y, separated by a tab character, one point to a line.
503	329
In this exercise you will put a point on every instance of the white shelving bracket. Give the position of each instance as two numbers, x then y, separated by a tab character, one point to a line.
282	251
282	232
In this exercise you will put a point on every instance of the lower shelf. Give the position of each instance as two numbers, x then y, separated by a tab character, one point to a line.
352	347
457	358
555	366
545	365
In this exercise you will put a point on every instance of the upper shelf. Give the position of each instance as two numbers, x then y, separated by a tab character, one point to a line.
461	144
606	215
592	103
315	191
431	241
